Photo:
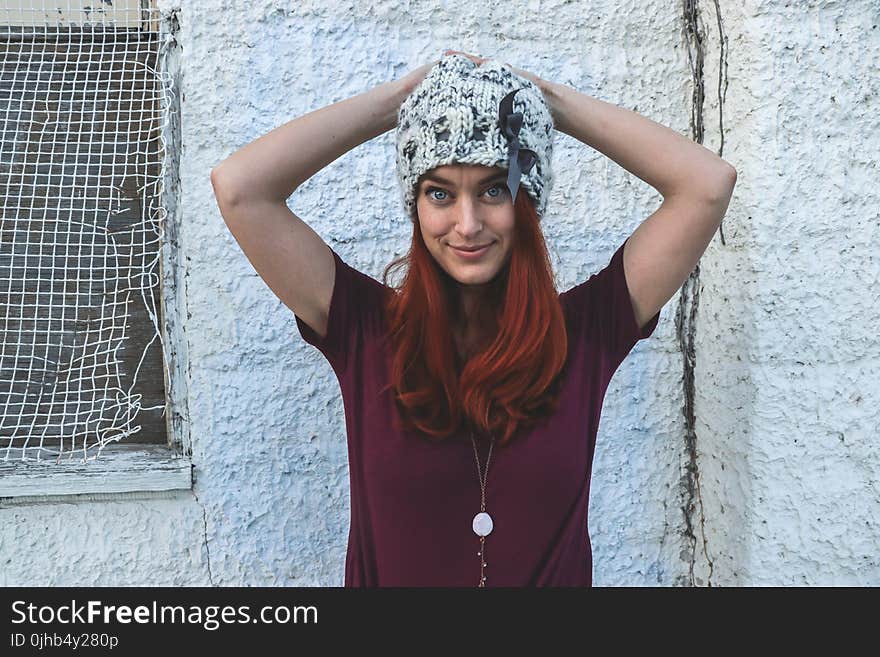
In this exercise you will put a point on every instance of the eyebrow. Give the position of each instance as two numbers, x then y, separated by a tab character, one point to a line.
495	176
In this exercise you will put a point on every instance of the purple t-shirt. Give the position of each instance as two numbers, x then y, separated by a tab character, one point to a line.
413	501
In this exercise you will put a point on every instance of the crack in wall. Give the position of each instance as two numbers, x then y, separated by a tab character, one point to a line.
689	299
205	525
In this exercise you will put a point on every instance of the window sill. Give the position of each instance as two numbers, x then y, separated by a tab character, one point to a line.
118	469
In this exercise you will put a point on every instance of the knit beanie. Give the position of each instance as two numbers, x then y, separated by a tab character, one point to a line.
464	113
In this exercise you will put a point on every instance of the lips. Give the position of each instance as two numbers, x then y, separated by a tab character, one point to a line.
474	253
471	249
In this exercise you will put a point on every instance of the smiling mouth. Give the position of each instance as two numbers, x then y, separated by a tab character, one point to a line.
471	249
473	254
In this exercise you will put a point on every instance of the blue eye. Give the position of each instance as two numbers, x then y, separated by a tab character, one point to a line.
431	190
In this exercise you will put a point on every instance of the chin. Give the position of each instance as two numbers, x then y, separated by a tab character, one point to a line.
474	274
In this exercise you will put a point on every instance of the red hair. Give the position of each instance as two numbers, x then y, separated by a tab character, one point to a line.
513	379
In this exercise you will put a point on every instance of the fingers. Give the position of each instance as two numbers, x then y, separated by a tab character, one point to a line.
473	58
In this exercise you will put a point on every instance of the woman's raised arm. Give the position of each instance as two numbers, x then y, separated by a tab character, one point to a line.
253	184
271	167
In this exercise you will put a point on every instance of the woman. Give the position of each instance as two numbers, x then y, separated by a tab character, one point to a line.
472	392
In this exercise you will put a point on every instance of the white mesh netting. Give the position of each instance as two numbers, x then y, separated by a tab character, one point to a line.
83	104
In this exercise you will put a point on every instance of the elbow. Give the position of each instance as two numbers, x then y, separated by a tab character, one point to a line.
232	188
714	184
722	189
728	174
731	174
216	176
223	189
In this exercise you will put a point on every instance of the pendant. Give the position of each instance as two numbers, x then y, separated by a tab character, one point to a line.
483	524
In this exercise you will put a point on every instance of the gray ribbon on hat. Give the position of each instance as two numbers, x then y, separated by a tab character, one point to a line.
520	160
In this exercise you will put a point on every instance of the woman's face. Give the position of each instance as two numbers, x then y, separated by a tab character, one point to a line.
462	205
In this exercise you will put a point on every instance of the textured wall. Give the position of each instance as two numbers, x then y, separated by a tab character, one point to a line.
157	540
789	393
769	478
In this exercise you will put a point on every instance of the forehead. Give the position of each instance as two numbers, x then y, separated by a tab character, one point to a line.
463	172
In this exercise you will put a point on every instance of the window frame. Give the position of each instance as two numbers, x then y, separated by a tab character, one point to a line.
122	468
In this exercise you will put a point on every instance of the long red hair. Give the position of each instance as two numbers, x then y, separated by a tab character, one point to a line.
513	379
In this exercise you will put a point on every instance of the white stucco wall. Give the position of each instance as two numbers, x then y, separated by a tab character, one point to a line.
790	393
785	387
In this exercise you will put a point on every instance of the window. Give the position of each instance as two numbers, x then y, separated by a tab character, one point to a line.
88	272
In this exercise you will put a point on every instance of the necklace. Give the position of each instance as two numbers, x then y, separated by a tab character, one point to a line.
482	523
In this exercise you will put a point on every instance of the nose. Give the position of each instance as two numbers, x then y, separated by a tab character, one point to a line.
469	223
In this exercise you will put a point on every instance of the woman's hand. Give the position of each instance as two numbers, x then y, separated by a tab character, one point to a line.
479	60
412	79
473	58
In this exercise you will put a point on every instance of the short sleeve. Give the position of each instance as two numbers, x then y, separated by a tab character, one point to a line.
355	305
601	308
